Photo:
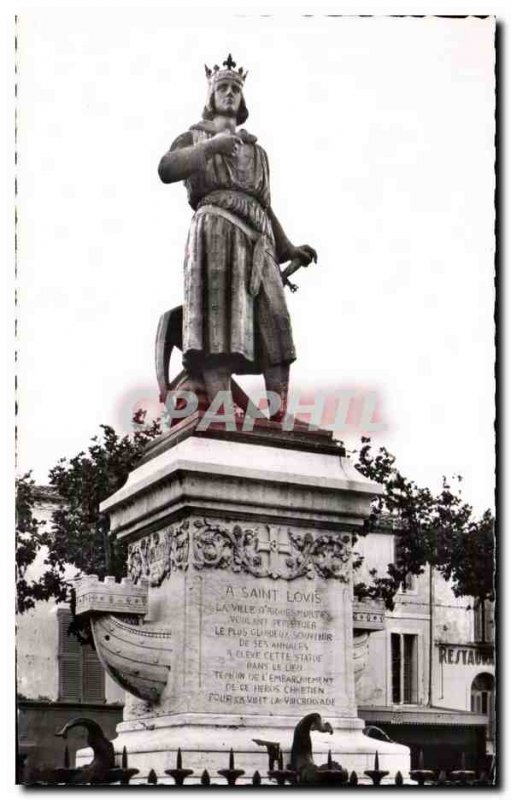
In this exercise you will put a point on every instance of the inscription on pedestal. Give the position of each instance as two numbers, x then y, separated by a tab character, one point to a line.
269	649
262	614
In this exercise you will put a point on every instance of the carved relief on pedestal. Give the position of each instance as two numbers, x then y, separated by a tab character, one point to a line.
261	550
135	656
154	556
137	659
327	555
368	618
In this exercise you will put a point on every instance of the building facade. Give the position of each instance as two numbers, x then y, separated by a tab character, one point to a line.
425	679
428	678
56	678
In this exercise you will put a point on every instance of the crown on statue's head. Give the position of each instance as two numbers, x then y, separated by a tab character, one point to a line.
216	74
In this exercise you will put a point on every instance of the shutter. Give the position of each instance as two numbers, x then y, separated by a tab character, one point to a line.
410	668
484	623
478	621
489	628
68	645
70	661
395	641
81	675
93	677
70	679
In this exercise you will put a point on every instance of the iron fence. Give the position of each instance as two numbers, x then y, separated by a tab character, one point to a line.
103	771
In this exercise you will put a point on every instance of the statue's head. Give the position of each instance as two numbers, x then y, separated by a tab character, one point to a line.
225	92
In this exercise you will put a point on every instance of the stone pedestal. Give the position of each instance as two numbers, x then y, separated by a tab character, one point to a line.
245	541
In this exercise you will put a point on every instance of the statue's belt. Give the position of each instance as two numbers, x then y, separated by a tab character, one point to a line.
263	246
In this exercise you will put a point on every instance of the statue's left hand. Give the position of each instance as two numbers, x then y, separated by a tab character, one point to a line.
304	254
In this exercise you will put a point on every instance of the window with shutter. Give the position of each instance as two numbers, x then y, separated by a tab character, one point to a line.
404	667
81	675
395	639
410	668
70	668
93	677
484	621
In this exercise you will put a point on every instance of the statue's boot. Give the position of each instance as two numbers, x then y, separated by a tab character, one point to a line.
276	379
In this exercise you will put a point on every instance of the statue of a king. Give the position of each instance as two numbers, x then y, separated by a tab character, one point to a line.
235	318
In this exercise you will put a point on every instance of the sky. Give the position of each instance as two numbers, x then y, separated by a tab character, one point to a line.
380	136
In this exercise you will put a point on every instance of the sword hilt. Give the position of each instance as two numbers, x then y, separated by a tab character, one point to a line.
292	267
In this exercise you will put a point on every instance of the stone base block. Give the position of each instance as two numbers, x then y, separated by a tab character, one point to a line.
205	744
245	539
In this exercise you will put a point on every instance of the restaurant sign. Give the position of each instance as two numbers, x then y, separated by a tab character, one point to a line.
465	655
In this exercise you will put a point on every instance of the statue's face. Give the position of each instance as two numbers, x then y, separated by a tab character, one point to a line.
227	97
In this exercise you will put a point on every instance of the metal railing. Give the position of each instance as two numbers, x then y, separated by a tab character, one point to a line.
103	771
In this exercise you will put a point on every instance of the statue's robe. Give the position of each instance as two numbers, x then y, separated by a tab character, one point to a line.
235	312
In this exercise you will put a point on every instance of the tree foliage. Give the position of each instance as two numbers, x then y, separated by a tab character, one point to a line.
472	564
436	529
30	539
79	534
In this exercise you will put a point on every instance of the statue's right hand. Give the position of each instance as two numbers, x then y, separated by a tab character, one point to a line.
224	142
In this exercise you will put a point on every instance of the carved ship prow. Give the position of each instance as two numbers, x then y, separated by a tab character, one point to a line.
138	656
135	656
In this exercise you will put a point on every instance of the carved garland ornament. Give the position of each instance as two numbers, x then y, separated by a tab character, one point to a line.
263	551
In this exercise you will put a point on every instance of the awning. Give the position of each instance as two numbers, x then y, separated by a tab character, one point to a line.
424	715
